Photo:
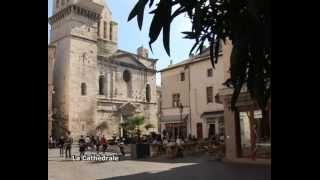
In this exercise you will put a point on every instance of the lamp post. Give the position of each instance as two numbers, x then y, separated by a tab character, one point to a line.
181	110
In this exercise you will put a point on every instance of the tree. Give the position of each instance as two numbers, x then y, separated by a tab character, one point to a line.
133	125
149	126
246	23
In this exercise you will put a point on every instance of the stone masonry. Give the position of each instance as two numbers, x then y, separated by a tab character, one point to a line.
90	87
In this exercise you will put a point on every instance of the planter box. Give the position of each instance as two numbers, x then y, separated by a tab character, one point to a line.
140	151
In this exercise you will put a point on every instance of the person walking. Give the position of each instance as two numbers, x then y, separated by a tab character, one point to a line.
93	142
87	140
104	144
68	145
61	145
121	147
50	142
82	146
98	143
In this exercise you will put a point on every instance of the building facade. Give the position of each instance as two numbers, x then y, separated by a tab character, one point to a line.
97	85
194	84
51	55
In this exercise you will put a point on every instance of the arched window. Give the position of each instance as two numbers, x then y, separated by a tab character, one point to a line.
57	3
126	76
83	89
111	31
105	30
148	93
101	85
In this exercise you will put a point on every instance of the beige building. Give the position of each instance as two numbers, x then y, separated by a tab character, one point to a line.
194	84
97	85
51	54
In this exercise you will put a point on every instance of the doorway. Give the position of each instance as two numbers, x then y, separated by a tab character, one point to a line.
199	131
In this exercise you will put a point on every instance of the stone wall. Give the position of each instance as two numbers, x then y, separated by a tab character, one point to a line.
51	54
83	69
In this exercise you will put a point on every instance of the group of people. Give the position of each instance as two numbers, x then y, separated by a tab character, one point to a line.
65	145
93	143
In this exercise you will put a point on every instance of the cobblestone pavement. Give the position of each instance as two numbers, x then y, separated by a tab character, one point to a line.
188	168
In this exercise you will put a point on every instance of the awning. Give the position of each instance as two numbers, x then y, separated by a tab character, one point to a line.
212	114
174	118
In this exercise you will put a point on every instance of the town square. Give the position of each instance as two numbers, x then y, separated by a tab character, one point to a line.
122	106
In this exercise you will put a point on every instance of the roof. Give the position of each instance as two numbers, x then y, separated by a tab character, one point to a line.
205	54
137	56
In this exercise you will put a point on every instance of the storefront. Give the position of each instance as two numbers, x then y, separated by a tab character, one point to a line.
174	126
214	125
247	129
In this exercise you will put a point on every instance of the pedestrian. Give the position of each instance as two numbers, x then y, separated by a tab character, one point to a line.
87	140
179	147
104	144
121	147
253	142
93	142
82	146
61	145
68	145
50	142
97	143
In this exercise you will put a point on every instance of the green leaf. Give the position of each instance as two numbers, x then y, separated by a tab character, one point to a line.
134	11
151	3
138	11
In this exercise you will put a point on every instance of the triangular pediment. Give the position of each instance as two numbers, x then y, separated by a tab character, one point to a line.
128	59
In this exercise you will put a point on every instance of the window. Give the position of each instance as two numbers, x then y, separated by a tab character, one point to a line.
101	85
209	72
98	32
57	3
68	1
209	94
148	91
182	76
126	75
110	31
175	100
83	89
62	2
105	30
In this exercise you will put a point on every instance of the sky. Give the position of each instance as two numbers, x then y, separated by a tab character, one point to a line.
130	37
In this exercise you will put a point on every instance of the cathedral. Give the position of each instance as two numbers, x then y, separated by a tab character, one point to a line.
97	86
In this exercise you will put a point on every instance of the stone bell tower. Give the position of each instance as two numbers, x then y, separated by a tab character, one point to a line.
74	32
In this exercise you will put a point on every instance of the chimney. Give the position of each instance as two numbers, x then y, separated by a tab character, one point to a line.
143	52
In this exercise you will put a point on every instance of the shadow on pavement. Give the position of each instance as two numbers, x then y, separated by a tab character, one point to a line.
204	169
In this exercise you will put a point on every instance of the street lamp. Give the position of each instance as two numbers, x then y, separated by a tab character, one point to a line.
181	110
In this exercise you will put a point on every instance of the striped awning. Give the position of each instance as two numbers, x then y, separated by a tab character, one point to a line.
174	118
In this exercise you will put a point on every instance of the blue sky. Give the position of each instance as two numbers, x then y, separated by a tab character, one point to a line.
130	37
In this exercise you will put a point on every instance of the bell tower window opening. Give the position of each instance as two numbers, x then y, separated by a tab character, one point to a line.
110	34
148	93
98	32
101	85
83	89
105	30
57	3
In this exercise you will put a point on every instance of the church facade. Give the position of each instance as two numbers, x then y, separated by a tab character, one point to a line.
97	86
